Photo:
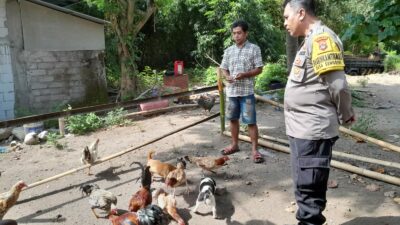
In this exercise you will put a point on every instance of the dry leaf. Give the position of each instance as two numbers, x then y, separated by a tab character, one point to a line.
380	170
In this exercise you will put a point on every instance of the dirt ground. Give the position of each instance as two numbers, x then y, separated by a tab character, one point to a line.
256	194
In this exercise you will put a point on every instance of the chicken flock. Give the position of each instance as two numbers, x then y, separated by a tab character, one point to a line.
141	210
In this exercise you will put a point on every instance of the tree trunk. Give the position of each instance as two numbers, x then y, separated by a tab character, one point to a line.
292	45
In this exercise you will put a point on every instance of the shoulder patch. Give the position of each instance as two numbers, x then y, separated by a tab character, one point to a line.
326	55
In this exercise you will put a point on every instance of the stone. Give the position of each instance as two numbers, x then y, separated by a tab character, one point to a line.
19	133
5	133
373	188
390	194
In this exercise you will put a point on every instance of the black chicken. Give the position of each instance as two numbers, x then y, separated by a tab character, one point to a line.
206	102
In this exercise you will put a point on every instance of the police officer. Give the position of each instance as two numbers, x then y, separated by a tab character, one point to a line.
317	101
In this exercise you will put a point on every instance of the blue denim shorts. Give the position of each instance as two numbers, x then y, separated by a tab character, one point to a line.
244	106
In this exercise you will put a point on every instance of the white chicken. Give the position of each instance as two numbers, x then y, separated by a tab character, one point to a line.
89	154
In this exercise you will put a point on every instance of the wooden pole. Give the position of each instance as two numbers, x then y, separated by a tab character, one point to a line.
344	130
279	140
115	155
221	99
370	139
334	163
342	154
156	111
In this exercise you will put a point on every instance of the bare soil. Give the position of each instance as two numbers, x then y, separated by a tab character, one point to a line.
256	193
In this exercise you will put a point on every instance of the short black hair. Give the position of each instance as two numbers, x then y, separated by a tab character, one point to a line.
240	23
307	5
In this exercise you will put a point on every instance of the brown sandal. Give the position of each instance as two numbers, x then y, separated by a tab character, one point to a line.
229	150
257	158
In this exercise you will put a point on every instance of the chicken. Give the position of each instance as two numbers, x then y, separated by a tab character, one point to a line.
208	163
177	177
168	203
100	199
157	167
206	102
89	154
151	215
142	197
9	198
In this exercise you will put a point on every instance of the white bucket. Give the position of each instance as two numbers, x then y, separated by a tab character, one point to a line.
33	127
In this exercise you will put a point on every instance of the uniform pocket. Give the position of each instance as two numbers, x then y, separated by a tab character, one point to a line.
313	173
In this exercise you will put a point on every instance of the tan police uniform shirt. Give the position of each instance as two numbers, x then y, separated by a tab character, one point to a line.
317	98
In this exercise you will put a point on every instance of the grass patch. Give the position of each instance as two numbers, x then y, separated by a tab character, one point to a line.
365	124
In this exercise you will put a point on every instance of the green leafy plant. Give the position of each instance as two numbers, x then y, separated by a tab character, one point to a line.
211	76
81	124
116	117
365	124
52	138
272	72
392	62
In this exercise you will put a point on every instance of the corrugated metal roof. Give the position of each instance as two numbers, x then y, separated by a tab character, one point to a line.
67	11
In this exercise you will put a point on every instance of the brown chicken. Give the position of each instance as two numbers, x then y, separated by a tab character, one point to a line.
142	197
208	163
157	167
151	215
177	177
9	198
168	203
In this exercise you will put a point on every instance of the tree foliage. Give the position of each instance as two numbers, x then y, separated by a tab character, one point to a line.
380	22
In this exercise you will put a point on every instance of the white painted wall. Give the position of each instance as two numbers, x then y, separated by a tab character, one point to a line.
48	29
7	96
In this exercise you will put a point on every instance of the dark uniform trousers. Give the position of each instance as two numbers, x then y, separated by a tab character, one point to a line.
310	161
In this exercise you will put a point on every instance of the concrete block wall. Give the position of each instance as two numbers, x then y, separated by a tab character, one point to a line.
7	94
56	78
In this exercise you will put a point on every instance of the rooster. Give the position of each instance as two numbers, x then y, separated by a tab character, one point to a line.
206	102
100	199
168	203
208	163
9	198
142	197
151	215
89	154
177	177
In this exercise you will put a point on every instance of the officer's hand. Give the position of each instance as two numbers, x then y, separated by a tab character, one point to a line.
351	120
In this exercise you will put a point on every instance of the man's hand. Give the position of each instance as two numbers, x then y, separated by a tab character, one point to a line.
229	79
240	76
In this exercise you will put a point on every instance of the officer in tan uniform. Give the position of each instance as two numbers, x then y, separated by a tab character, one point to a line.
317	101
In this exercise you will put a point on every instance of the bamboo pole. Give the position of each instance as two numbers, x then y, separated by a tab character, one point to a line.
156	111
334	163
279	140
342	154
345	130
221	99
115	155
370	139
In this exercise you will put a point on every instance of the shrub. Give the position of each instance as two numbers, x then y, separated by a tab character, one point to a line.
271	73
81	124
211	76
392	62
116	117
